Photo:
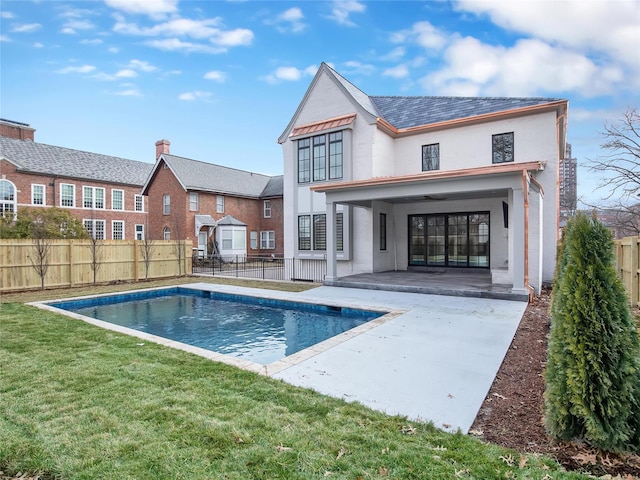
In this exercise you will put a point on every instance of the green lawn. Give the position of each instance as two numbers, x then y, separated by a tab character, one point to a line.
80	402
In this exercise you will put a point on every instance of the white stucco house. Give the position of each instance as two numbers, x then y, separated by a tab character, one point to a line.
375	183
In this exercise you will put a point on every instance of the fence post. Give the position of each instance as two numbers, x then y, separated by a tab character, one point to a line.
71	248
136	260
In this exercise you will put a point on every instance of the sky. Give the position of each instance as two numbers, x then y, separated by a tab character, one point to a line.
221	79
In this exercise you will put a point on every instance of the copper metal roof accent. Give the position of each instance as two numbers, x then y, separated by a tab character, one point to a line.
432	175
335	122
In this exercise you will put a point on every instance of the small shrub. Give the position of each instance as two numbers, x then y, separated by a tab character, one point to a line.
593	365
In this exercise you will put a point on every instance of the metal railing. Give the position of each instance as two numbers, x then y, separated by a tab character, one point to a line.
261	267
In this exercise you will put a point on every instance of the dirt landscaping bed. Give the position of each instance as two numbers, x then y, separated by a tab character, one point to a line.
512	412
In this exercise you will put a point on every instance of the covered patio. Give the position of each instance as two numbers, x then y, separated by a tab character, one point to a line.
456	283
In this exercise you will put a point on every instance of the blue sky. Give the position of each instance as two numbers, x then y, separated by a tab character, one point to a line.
221	79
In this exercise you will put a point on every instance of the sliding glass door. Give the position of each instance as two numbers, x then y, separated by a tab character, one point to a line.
449	240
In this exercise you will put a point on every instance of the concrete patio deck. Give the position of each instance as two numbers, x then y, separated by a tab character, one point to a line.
462	283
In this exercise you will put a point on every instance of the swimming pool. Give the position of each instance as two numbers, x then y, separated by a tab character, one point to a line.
260	330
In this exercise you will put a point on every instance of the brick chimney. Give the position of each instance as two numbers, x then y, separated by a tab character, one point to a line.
17	130
162	146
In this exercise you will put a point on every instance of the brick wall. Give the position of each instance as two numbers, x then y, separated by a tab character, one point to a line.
24	182
164	182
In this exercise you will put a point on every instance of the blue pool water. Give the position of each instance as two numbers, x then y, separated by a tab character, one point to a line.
257	329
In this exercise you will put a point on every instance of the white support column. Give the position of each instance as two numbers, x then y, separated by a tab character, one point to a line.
517	233
332	266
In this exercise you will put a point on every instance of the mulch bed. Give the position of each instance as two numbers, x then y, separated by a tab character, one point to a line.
512	413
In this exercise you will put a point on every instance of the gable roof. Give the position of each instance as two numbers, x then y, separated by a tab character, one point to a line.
208	177
398	113
29	156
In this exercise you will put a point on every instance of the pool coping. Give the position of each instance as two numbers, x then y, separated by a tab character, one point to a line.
268	369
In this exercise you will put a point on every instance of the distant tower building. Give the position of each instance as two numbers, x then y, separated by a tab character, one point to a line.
568	185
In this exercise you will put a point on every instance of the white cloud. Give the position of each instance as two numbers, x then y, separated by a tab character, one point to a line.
113	50
152	8
191	96
602	26
233	38
289	21
216	76
290	74
130	92
172	72
175	44
354	67
72	26
91	41
141	65
38	45
80	69
26	28
4	38
126	73
394	55
530	67
342	9
399	71
423	34
5	14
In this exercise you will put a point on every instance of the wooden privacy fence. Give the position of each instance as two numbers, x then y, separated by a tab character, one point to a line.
70	262
628	265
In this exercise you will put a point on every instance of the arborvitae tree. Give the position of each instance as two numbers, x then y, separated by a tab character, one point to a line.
593	364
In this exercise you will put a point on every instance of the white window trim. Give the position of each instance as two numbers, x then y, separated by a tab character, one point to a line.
197	201
113	200
220	204
94	222
166	206
14	202
135	202
264	239
264	208
93	197
253	240
44	194
73	195
165	231
113	222
136	231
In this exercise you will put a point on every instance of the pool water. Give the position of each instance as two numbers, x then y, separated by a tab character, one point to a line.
251	328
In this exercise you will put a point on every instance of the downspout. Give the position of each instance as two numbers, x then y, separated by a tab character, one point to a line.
525	192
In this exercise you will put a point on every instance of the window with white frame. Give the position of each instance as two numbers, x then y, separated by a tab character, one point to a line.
166	204
267	209
139	232
95	228
268	240
220	204
38	194
227	239
117	199
139	203
8	200
193	201
93	197
67	195
117	230
166	233
253	237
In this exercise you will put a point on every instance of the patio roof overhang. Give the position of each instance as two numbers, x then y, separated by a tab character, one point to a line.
468	183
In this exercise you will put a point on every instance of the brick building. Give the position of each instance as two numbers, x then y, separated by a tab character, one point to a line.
222	210
100	190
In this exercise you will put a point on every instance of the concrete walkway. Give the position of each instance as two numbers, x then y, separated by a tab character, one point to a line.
434	361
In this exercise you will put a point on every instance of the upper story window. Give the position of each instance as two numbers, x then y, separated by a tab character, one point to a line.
117	199
193	201
8	201
93	197
67	195
220	204
139	203
267	209
431	157
327	157
166	204
502	147
38	194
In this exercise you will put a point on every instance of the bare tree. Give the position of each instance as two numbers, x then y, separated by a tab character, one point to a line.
41	250
96	248
178	243
147	249
620	163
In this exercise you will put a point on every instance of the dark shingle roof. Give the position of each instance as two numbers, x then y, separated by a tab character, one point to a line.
407	112
208	177
274	188
35	157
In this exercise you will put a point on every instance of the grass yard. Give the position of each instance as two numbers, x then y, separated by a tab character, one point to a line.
80	402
